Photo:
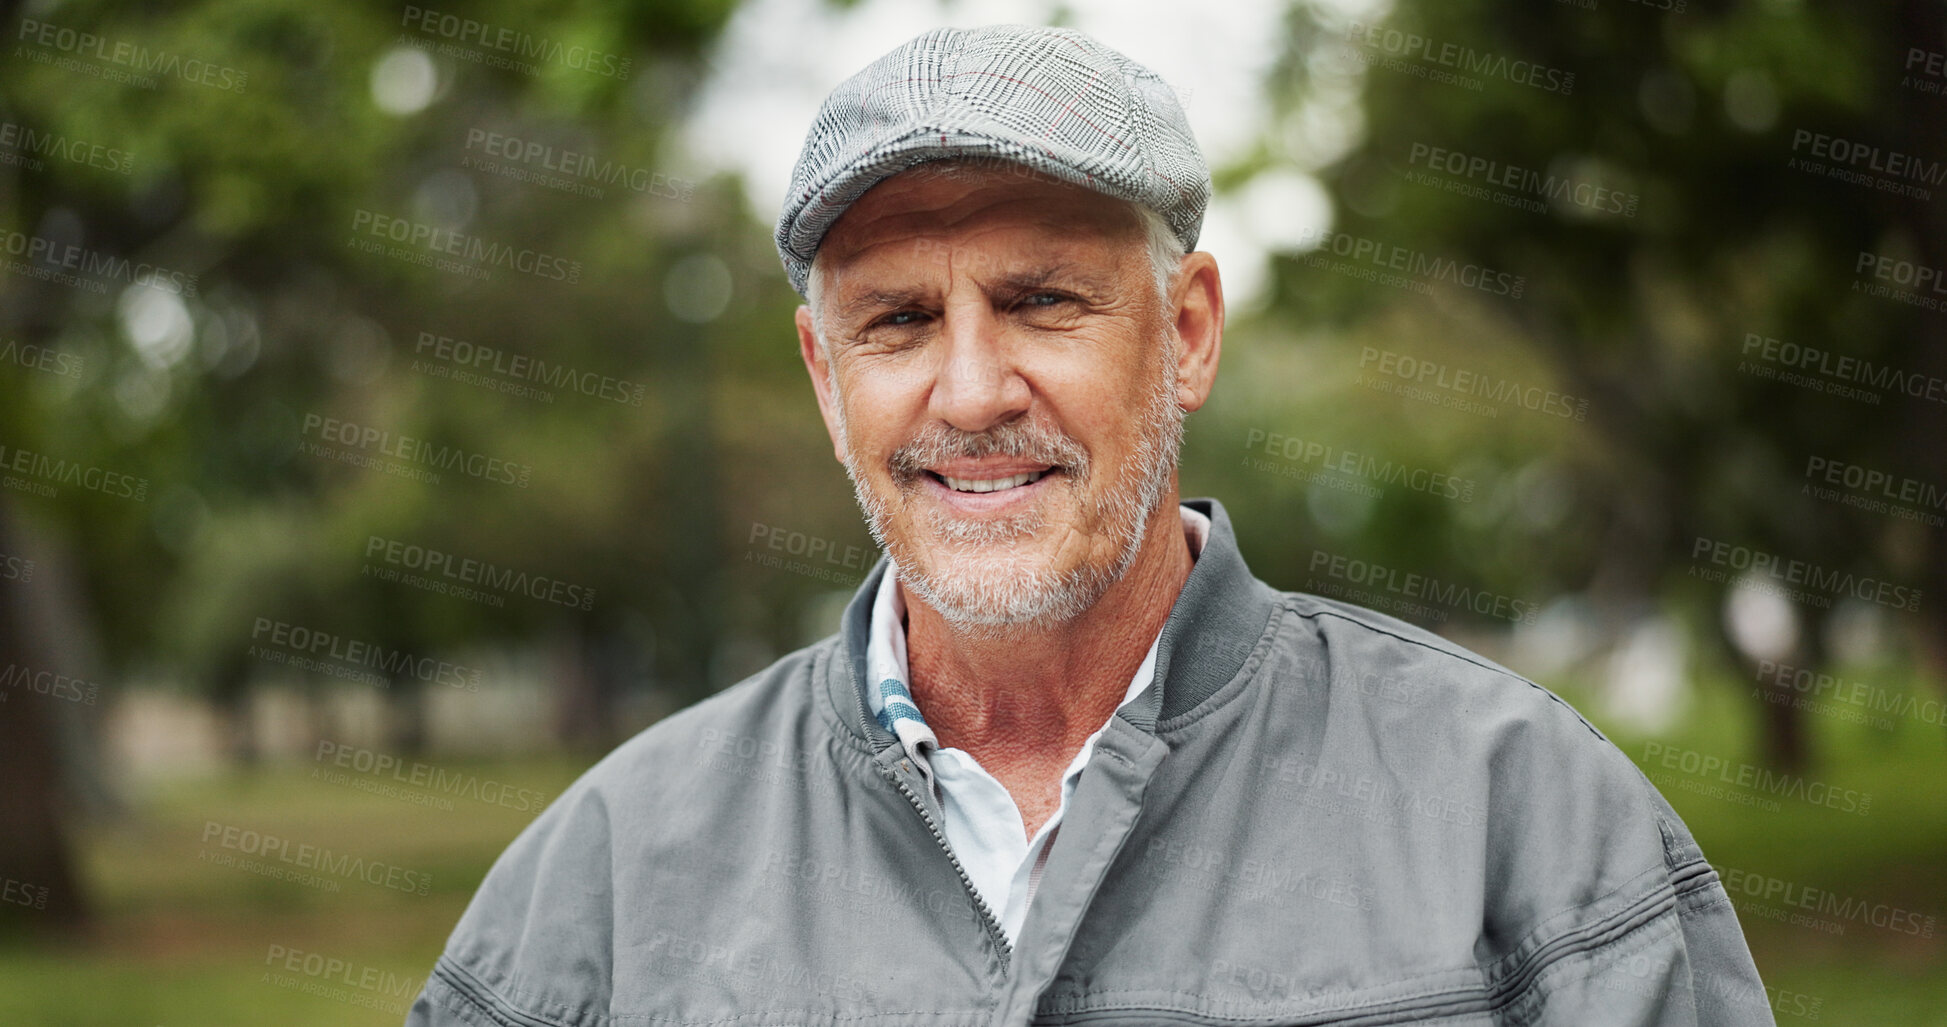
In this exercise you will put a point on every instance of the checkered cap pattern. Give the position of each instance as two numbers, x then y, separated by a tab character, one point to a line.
1051	99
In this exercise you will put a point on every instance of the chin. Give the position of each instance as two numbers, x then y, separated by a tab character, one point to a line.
1000	585
1002	595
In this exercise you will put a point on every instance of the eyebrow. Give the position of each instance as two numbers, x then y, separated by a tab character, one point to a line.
1064	273
1068	274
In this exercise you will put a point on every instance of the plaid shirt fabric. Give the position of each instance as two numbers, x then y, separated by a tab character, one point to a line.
981	822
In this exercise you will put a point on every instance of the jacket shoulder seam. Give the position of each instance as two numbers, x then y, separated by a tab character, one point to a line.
1698	887
480	997
1546	949
1292	601
1495	992
1655	918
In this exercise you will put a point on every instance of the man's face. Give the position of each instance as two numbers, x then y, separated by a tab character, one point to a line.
1001	388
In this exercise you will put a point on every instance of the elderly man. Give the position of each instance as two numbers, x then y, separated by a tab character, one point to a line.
1067	760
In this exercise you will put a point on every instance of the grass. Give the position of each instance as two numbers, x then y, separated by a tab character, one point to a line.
1891	859
183	940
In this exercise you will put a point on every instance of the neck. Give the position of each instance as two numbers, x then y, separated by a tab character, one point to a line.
1035	693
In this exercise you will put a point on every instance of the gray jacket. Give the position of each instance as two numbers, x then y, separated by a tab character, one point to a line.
1323	815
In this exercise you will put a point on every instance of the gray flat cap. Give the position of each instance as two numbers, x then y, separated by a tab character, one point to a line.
1050	99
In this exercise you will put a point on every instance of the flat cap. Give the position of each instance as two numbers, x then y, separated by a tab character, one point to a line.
1051	99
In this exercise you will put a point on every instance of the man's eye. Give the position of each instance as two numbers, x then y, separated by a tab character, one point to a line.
895	319
1044	299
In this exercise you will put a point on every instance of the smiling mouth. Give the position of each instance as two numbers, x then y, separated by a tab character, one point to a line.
977	485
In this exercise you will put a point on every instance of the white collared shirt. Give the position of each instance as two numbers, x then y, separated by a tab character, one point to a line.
982	823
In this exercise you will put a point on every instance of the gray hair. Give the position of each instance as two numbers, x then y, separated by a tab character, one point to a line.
1166	251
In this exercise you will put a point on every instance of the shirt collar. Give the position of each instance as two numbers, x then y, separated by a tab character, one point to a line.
890	700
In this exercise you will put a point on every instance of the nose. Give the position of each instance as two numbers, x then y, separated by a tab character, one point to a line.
976	384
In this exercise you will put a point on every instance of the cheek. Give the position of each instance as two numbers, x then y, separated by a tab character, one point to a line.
1106	421
870	411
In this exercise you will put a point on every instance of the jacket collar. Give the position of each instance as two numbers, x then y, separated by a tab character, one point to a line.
1216	621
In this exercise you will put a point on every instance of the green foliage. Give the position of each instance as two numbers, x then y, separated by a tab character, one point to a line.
1642	309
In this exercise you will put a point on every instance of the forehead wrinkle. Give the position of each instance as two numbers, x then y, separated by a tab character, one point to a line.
1068	268
1061	272
1058	210
1071	273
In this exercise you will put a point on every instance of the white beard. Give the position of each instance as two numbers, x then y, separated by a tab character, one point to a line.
972	586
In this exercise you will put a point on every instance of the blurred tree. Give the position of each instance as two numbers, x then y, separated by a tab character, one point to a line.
250	150
1693	117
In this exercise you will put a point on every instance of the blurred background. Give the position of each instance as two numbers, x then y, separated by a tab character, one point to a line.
399	407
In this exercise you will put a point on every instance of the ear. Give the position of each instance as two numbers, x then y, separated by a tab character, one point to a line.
816	363
1197	313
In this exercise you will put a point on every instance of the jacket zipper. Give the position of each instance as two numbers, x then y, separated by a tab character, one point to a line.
986	915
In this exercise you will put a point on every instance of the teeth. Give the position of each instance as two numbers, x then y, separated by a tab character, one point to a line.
990	484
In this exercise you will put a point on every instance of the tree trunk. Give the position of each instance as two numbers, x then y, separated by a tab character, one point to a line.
43	892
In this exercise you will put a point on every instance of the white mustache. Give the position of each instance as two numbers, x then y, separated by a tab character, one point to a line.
938	443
